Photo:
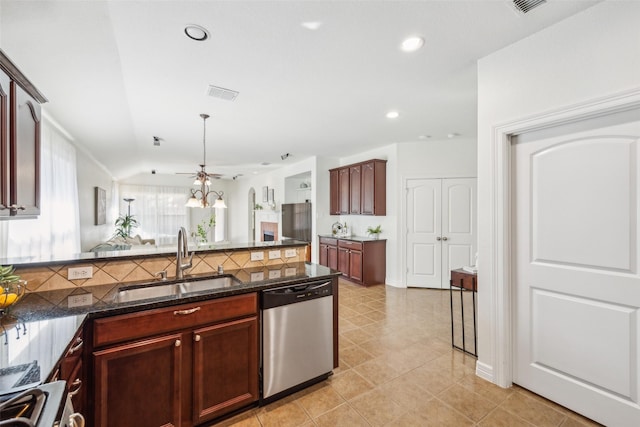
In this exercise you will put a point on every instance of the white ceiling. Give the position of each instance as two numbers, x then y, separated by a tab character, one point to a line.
117	73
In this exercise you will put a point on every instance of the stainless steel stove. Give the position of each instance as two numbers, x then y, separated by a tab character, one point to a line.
47	405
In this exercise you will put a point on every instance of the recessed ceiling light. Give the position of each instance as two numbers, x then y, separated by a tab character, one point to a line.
312	25
196	32
424	136
411	44
393	115
452	135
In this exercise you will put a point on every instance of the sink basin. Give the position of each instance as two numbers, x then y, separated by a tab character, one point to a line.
208	284
146	292
155	290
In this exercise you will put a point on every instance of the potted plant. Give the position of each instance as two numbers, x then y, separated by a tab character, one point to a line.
124	225
11	287
374	231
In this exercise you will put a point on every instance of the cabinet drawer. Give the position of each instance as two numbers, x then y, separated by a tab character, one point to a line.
347	244
329	241
147	323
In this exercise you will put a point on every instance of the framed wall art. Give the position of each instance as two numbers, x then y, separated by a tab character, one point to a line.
101	206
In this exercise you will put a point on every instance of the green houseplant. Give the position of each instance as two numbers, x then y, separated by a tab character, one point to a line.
374	231
124	225
204	227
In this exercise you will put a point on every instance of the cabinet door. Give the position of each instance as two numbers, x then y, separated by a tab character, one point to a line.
4	144
332	257
139	383
334	192
323	255
24	153
343	182
355	182
225	368
355	265
368	189
343	261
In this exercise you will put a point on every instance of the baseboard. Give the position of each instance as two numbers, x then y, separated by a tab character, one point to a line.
485	371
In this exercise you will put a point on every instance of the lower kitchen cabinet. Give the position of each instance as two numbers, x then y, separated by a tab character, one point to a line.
329	252
225	370
176	366
360	261
140	383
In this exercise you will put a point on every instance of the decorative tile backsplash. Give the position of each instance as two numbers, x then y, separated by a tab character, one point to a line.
54	277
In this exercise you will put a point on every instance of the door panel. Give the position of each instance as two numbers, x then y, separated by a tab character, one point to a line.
458	225
423	228
576	284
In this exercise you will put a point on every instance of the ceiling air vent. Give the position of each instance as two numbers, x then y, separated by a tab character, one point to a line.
524	6
222	93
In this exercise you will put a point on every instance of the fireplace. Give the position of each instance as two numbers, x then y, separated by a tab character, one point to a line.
268	231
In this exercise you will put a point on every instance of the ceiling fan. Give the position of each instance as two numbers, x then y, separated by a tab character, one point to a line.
202	176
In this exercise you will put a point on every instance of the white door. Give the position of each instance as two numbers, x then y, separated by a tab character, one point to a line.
440	229
576	280
424	257
458	225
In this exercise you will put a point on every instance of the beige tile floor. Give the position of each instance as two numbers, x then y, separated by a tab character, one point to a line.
397	368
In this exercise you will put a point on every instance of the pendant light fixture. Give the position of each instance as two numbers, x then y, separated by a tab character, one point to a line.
199	197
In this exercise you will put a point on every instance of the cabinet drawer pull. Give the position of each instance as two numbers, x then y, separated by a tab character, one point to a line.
185	312
78	385
77	347
178	343
196	337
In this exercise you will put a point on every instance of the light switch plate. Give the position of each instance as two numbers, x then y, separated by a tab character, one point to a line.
274	254
257	276
75	273
290	271
257	256
290	253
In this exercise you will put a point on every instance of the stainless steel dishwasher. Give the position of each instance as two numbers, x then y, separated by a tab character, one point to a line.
297	337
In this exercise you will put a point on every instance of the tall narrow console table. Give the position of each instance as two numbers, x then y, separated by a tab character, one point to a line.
461	281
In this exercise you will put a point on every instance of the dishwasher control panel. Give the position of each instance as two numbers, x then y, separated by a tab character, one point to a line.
296	293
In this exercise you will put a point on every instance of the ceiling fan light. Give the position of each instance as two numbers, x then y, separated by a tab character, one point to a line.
196	182
193	202
207	182
220	203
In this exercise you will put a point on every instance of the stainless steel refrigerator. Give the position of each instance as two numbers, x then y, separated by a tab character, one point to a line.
296	221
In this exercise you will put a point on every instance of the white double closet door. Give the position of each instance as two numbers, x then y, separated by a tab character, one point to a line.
441	229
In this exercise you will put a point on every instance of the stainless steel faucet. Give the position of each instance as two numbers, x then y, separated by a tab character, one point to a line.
183	253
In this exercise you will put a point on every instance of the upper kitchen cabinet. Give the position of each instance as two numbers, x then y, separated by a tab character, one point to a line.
20	119
359	189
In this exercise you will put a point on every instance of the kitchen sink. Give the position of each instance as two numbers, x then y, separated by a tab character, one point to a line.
157	290
146	292
208	284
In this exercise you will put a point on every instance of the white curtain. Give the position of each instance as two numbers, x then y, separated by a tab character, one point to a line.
57	229
160	211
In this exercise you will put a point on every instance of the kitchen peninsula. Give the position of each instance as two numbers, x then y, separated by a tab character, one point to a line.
172	352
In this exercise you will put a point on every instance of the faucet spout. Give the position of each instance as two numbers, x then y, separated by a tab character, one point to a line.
182	254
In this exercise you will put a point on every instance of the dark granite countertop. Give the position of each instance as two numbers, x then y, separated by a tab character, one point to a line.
147	251
42	324
352	238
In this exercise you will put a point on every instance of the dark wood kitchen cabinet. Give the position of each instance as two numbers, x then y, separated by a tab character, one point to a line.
176	366
329	252
360	261
359	189
71	370
20	118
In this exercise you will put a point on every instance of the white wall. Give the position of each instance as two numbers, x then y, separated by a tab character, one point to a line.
590	55
90	175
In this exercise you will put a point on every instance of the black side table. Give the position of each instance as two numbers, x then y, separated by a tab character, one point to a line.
464	281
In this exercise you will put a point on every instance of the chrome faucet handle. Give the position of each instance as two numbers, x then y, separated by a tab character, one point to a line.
162	275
